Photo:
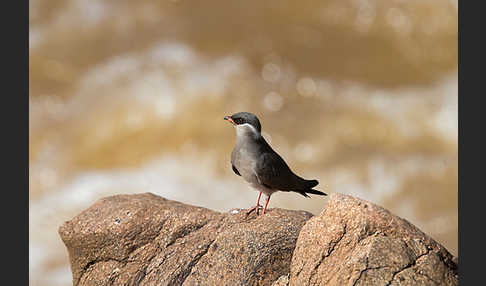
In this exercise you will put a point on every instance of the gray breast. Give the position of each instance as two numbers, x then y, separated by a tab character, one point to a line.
246	153
244	160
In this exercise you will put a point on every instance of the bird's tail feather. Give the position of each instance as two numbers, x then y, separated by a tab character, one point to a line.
307	188
315	192
311	183
311	191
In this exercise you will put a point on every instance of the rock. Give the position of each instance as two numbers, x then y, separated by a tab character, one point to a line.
144	239
282	281
354	242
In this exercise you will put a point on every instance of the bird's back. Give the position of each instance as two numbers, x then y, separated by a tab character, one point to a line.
273	171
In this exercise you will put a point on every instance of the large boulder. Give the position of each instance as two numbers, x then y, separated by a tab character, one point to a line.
354	242
144	239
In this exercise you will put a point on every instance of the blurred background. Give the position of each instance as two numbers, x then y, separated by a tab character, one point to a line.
129	97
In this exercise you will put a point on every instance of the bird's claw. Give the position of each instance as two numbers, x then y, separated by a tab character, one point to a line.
257	208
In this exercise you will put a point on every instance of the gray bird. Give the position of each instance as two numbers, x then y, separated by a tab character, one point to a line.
254	160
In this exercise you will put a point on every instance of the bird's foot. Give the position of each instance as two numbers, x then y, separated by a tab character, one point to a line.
257	208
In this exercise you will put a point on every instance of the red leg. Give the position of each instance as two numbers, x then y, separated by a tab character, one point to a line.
257	207
266	204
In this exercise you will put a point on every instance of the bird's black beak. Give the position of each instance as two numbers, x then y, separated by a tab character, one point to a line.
229	119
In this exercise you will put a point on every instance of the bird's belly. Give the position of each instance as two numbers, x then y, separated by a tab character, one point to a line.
245	163
246	170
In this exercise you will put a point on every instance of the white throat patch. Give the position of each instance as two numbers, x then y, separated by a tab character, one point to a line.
245	130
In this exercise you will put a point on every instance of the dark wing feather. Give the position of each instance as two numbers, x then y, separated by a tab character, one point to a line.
273	172
235	170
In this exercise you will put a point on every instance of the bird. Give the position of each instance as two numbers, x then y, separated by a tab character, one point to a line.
258	164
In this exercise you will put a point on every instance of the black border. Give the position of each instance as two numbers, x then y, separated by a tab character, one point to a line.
15	141
470	204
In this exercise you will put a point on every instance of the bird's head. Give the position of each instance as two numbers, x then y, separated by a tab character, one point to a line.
245	120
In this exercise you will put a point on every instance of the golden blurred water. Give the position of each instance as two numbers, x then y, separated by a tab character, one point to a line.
129	97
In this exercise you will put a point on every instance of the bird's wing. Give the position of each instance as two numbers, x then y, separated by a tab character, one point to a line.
235	170
272	172
234	155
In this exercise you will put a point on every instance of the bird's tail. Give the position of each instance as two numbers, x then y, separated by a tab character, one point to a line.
309	184
315	192
311	191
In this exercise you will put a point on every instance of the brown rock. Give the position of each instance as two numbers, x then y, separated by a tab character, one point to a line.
147	240
144	239
354	242
282	281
